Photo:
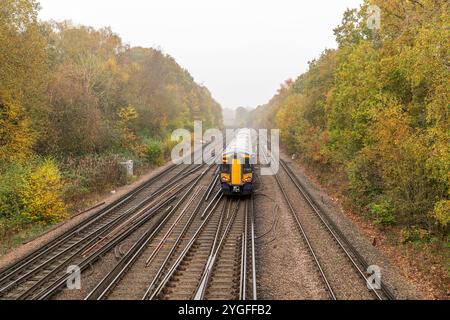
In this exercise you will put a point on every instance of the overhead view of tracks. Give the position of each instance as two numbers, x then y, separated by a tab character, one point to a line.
39	273
334	256
219	261
204	160
177	236
137	267
201	249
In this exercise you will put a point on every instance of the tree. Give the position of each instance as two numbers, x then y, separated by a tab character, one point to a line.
22	77
16	138
375	111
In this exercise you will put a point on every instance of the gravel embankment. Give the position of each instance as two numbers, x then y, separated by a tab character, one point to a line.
391	275
285	270
344	280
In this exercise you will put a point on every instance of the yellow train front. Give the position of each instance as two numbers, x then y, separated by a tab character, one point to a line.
236	170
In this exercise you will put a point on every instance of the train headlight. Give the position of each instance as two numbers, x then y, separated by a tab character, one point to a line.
247	179
225	178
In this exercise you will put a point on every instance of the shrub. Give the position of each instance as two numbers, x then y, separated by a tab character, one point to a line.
168	146
93	173
441	213
154	151
415	235
128	137
11	204
12	181
365	185
42	194
16	137
382	214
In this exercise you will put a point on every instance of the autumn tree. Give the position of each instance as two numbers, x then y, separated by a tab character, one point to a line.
376	112
22	78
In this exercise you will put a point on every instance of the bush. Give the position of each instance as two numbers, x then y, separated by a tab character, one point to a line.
41	194
415	235
12	181
441	213
154	151
31	193
168	146
93	173
365	185
382	214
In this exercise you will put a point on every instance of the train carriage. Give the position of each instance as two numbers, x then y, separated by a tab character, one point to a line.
236	170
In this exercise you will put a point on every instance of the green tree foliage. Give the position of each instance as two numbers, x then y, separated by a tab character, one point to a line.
128	138
377	110
12	179
165	96
154	151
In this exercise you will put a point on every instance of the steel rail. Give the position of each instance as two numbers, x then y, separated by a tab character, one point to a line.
38	255
207	207
172	227
151	295
211	187
305	237
203	285
21	264
337	235
112	278
130	220
149	213
49	291
87	241
214	202
9	271
140	220
204	197
253	251
244	245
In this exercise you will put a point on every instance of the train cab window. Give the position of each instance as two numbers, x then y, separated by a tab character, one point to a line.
247	167
225	168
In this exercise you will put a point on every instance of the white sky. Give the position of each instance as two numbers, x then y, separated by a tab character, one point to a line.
241	50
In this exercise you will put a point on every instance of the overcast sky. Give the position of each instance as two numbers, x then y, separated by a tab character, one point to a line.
242	50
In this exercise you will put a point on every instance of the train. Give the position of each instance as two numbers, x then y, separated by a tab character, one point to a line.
237	167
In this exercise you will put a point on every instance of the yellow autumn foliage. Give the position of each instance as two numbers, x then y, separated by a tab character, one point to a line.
16	138
374	114
128	137
42	195
441	213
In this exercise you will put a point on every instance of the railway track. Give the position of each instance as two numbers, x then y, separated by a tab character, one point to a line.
219	260
223	278
339	264
136	268
168	261
29	278
181	280
186	241
192	252
103	215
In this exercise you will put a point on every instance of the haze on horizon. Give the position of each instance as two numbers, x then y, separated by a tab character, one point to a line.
241	51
